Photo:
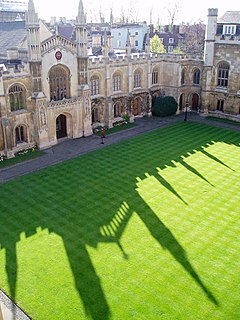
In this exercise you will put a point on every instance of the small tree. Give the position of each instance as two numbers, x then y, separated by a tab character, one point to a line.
177	51
156	45
164	106
172	9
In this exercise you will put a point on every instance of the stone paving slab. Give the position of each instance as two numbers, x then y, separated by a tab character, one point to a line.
9	310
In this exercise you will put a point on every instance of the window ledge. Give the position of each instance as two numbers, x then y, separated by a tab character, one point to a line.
16	112
221	89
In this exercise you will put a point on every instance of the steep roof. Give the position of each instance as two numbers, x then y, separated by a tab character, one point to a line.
66	30
230	17
12	35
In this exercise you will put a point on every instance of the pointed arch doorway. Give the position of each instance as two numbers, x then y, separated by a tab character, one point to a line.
181	101
195	102
136	106
61	126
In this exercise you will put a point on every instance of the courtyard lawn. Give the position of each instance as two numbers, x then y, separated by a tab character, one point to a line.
147	228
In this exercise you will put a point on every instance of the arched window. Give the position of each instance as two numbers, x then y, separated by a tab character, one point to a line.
116	82
95	115
94	85
183	76
20	134
196	76
59	83
137	79
223	74
155	76
117	110
16	98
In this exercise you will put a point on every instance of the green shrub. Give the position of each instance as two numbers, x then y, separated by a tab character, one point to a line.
126	118
164	106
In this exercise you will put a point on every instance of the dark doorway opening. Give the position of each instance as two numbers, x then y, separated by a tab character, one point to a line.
61	126
136	106
195	102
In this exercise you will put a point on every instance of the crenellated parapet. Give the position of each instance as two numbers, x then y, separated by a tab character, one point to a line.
140	58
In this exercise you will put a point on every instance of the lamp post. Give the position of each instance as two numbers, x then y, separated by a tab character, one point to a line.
186	111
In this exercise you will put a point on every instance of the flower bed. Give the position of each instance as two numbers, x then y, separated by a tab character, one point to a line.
20	156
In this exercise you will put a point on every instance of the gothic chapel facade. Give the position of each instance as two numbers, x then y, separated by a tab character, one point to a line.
55	89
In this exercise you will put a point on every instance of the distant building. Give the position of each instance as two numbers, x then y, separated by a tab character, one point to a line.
170	40
12	10
136	31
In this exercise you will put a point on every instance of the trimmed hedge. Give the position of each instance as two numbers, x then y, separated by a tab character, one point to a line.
164	106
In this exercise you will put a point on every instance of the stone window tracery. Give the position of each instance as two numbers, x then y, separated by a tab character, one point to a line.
20	134
94	85
196	76
59	83
223	74
116	82
137	79
183	76
155	76
16	97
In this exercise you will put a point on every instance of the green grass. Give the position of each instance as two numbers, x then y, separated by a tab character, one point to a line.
20	158
147	228
118	128
236	123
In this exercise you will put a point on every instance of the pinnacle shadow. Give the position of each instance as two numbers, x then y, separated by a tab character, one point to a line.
215	159
167	241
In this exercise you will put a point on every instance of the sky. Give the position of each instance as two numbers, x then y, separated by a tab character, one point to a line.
138	10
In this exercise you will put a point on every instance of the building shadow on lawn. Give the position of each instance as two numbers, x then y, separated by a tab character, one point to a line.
82	224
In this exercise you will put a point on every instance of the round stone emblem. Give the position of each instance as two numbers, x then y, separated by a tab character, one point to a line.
58	55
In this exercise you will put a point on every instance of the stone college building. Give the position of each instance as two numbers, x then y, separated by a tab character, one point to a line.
51	88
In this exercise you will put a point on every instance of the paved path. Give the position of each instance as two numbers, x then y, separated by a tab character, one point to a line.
9	310
71	148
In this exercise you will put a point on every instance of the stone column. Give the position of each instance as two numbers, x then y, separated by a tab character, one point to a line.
86	111
149	104
7	138
41	125
108	112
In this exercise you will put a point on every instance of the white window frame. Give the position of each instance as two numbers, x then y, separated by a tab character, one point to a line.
229	29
